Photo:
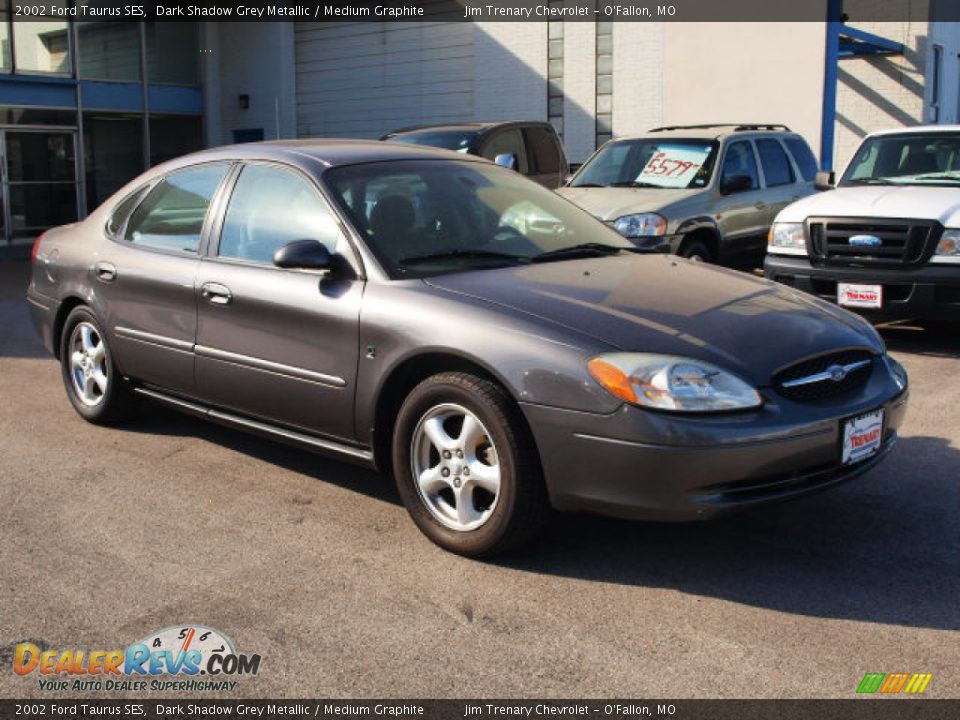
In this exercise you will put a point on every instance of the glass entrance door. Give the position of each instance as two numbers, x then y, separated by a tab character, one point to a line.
39	181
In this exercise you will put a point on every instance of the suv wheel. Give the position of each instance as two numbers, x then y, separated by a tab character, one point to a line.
465	466
695	250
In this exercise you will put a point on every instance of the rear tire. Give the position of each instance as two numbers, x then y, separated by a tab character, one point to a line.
96	390
466	467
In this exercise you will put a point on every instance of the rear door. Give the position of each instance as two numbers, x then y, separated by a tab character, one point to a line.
278	344
146	275
783	184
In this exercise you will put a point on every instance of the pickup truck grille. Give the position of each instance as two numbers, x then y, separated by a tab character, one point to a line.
902	243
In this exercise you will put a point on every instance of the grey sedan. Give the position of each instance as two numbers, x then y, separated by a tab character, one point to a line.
496	348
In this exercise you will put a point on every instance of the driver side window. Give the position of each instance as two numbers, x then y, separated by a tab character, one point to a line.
270	207
739	160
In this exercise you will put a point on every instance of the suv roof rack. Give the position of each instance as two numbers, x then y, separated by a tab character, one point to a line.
735	126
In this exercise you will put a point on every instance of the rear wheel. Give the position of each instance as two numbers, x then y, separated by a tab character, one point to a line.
95	388
466	468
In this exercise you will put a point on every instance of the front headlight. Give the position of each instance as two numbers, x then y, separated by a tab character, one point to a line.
787	239
948	249
669	382
642	225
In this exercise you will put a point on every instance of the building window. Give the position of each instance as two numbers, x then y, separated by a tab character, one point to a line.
936	79
555	72
41	47
108	51
604	73
41	181
173	53
174	135
6	62
113	153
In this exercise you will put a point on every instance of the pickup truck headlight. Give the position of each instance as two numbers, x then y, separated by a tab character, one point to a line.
948	249
787	239
669	382
642	225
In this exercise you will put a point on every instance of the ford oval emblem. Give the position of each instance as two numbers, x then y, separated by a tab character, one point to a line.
865	241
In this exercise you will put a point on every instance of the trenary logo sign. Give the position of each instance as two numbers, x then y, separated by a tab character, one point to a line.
892	683
865	241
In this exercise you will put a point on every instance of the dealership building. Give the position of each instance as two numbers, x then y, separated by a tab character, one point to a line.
85	106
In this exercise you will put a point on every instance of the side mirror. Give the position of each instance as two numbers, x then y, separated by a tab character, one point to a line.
305	254
824	180
507	160
735	184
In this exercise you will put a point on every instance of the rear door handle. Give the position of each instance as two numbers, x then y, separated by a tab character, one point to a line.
216	293
106	272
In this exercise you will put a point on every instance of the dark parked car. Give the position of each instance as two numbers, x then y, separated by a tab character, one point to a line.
394	306
531	148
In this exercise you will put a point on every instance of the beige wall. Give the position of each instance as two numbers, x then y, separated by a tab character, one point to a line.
745	72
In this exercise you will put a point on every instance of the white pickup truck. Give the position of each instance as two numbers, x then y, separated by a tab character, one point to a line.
885	241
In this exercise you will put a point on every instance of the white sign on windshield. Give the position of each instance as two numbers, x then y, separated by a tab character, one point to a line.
673	166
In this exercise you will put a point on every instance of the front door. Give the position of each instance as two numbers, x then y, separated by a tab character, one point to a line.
743	211
272	343
39	182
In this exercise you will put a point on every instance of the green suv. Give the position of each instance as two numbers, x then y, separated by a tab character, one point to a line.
706	192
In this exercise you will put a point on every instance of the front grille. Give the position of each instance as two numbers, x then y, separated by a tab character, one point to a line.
902	242
827	388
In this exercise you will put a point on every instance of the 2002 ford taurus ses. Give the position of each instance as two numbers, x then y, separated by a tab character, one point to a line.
497	348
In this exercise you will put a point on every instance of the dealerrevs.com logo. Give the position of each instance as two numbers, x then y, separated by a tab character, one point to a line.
180	657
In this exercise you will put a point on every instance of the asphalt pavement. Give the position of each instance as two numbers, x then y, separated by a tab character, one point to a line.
109	534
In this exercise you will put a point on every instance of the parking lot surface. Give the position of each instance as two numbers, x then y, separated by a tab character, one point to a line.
107	535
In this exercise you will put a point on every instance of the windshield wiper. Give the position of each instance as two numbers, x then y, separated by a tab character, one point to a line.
938	176
459	254
873	181
582	250
636	184
591	184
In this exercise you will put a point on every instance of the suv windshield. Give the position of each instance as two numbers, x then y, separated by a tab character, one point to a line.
428	217
459	140
906	159
665	162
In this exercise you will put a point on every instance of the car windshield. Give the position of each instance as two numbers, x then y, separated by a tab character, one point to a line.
907	159
650	162
428	217
459	140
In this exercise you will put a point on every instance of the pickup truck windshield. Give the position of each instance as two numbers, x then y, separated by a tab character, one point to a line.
650	162
906	159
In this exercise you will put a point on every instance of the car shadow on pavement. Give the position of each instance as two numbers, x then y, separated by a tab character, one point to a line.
883	548
934	340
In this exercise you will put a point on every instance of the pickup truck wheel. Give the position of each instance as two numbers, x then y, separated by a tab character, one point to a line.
466	467
695	250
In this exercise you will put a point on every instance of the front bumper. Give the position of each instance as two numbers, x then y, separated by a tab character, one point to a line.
930	292
640	464
658	244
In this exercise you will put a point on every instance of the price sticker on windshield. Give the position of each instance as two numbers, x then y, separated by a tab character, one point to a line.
673	166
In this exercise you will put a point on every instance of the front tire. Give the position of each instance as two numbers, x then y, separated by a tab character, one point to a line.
466	467
695	250
96	390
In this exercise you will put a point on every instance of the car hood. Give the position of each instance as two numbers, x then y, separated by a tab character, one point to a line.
610	203
665	304
881	201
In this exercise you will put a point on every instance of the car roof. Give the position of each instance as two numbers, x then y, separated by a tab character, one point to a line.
330	152
479	126
917	129
712	131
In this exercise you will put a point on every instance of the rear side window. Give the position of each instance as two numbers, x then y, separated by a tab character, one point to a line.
508	142
171	216
803	156
123	210
543	150
776	167
271	207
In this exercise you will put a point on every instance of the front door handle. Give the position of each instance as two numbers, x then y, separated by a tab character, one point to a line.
216	293
105	272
